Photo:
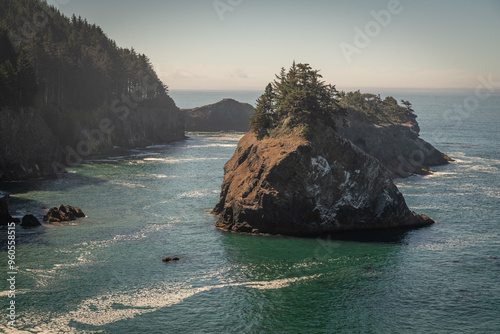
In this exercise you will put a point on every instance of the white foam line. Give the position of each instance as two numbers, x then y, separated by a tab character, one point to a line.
18	292
101	310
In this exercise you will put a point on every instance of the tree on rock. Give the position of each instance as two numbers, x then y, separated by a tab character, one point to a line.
264	111
297	99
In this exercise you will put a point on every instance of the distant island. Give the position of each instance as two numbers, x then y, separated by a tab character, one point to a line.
68	91
225	115
295	174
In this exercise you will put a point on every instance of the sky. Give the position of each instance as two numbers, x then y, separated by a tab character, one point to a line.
358	44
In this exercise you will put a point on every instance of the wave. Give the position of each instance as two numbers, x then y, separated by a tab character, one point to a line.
463	158
456	242
116	306
171	160
232	145
83	255
127	184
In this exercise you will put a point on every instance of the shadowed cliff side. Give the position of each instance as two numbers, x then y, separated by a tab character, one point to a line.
28	147
390	133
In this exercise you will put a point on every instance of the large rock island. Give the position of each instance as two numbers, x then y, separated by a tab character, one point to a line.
293	174
293	186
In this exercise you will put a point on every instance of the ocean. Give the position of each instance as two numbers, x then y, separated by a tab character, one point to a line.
104	274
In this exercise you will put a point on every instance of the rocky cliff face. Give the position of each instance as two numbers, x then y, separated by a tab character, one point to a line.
397	146
35	142
291	186
28	146
227	114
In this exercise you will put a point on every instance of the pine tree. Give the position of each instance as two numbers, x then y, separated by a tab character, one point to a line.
27	82
262	119
297	98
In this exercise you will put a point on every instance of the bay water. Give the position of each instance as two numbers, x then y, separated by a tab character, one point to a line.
104	274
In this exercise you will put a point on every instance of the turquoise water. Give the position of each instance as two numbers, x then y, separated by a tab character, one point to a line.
103	273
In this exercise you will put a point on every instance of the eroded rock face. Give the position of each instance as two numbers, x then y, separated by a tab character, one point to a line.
296	187
227	114
397	146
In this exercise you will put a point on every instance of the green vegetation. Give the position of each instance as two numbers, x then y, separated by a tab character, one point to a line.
372	109
299	102
48	59
18	84
296	102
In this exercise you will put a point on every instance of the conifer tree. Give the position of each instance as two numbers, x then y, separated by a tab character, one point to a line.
297	97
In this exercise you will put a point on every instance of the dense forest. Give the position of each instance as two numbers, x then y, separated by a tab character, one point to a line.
66	73
70	61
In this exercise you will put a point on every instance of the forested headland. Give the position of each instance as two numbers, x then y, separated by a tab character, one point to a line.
67	90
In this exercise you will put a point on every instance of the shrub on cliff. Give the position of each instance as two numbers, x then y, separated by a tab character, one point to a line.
297	101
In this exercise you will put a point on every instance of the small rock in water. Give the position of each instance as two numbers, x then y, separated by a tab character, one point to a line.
30	221
170	259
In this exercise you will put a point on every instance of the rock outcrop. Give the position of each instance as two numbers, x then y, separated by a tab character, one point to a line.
30	221
5	217
224	115
63	213
291	186
397	146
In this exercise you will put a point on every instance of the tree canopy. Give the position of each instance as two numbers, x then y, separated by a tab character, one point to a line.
65	61
297	99
375	109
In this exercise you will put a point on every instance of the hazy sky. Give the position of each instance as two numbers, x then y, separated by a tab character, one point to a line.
241	44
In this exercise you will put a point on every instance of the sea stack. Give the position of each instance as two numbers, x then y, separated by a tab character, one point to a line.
293	174
294	186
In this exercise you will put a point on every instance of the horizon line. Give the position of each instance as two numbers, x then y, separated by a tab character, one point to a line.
399	89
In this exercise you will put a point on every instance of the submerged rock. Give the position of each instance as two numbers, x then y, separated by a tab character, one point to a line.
30	221
63	213
292	186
